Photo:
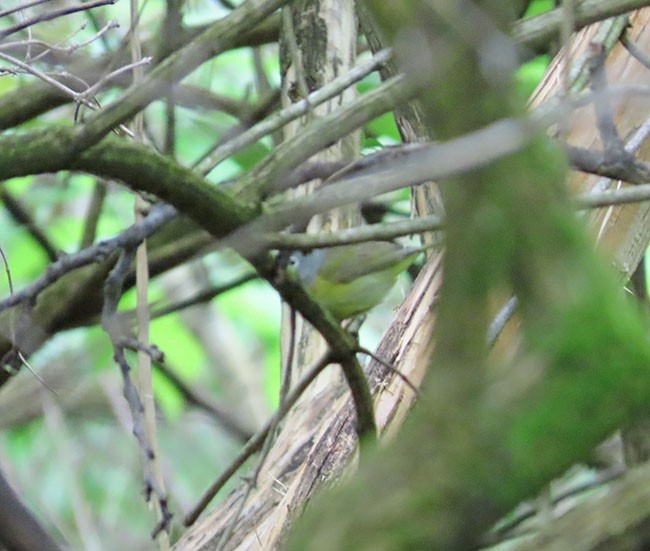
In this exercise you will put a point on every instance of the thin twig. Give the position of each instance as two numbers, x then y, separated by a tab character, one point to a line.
79	29
151	350
391	368
146	352
110	323
203	296
40	379
20	214
637	53
196	398
256	441
501	320
5	261
251	482
67	263
47	79
21	7
113	74
18	355
94	211
74	47
288	366
612	142
54	14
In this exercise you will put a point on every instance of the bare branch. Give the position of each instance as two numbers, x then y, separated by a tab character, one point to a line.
66	263
538	31
21	7
110	323
54	14
277	121
256	441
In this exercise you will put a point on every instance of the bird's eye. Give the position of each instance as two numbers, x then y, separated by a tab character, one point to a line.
293	260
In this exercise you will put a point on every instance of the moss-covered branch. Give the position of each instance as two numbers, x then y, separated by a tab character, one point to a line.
142	169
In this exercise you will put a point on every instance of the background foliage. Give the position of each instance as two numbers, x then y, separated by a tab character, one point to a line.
74	459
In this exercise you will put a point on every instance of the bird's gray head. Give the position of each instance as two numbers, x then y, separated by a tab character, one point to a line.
308	264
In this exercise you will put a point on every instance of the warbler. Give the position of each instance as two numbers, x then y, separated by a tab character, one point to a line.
349	280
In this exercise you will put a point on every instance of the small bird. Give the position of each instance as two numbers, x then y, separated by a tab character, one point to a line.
349	280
